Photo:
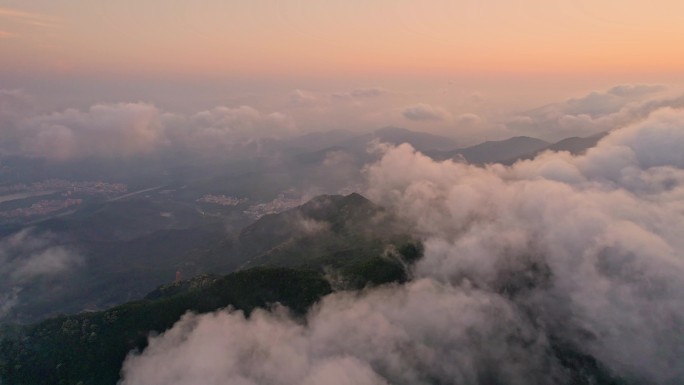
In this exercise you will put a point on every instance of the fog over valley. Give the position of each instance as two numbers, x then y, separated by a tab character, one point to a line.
391	192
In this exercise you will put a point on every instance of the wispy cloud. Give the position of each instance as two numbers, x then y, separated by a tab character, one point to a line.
6	35
30	18
425	112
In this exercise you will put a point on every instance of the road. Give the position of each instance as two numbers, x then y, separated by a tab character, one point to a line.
134	193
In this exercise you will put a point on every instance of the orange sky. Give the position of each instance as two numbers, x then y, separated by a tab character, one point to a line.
299	37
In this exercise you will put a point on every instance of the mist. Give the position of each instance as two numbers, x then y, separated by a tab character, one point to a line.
127	129
559	252
29	256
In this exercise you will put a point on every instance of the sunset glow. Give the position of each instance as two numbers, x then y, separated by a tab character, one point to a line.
212	37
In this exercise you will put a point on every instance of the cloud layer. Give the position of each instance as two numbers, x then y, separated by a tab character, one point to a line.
27	256
593	113
425	112
129	129
579	251
115	130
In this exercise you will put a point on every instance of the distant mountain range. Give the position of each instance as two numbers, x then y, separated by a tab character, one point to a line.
421	141
359	141
574	145
492	151
506	151
517	148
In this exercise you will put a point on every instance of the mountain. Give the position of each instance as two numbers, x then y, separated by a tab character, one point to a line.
315	141
89	348
493	151
329	231
336	243
574	145
127	248
421	141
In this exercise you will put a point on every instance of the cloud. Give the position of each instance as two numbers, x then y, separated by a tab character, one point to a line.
108	130
521	264
242	121
131	129
468	119
30	18
611	101
416	333
368	92
14	104
604	225
595	112
361	93
425	112
27	256
225	131
303	98
8	300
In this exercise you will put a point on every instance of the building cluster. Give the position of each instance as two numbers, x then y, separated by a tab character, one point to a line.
89	187
222	200
283	202
42	207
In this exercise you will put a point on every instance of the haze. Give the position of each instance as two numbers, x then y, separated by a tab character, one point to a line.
338	192
213	52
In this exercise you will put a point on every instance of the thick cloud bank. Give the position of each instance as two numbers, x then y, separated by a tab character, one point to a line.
594	113
121	130
523	264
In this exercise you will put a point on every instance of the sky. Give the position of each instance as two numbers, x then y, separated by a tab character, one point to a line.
434	65
585	250
299	37
82	79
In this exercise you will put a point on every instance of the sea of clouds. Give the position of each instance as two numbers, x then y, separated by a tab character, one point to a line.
584	252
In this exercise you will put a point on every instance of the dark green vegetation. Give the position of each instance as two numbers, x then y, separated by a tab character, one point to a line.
293	258
89	348
329	232
124	249
128	248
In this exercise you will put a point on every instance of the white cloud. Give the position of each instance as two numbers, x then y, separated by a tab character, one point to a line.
26	256
130	129
586	250
301	98
425	112
400	335
468	119
595	112
108	130
361	93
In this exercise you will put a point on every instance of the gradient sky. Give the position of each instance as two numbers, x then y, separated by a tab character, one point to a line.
304	37
453	58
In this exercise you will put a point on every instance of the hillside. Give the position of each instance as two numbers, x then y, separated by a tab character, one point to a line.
335	242
574	145
419	140
89	348
328	231
492	151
